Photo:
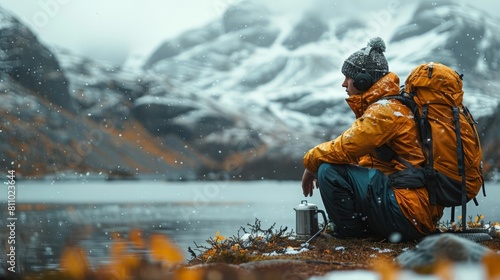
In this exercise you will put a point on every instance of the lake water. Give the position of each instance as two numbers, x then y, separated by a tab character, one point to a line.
52	215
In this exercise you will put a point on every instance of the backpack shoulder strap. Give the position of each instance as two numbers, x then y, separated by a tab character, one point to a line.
425	136
384	152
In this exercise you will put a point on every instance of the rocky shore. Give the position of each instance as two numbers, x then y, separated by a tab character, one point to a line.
256	253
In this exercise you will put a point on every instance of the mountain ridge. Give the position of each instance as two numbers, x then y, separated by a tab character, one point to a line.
241	98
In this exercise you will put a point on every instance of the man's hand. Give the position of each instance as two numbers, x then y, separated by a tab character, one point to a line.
308	183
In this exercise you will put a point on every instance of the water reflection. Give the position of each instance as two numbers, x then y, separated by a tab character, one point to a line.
44	230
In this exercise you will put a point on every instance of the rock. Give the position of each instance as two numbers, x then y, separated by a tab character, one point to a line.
244	15
265	73
242	91
262	36
457	48
489	128
308	30
101	90
158	113
187	40
32	64
251	23
444	247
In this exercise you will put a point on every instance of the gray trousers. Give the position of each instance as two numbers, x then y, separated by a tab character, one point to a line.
360	203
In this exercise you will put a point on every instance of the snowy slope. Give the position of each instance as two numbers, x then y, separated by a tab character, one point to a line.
252	91
293	96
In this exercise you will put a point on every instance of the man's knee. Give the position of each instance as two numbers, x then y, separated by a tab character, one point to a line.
328	174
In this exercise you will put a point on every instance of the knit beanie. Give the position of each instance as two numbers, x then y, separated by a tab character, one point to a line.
373	62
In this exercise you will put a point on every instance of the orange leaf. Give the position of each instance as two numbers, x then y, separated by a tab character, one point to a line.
444	270
162	249
188	274
386	269
74	261
491	262
122	267
135	236
209	253
118	249
218	237
235	247
115	235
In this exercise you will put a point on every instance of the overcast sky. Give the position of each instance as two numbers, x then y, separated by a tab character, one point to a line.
115	29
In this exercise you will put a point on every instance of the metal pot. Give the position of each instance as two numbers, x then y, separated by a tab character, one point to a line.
306	218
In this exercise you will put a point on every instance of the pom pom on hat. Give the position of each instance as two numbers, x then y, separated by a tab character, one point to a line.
374	63
377	44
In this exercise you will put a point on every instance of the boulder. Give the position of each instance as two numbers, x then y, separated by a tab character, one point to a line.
444	247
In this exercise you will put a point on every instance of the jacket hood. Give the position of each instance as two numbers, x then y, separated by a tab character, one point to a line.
386	86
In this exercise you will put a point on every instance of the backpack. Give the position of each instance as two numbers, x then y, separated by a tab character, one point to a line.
449	138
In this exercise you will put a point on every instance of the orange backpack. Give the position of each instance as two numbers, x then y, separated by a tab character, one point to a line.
448	135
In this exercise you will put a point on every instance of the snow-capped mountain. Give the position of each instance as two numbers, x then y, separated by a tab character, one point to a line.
244	96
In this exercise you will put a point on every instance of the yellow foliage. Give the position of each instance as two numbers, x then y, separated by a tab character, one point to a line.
74	262
219	238
386	269
122	261
235	247
188	274
123	267
135	237
443	269
491	262
477	223
117	248
125	259
209	253
163	250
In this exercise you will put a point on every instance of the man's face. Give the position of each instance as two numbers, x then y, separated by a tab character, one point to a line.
349	87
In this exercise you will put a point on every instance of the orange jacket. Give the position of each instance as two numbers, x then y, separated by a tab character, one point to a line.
381	122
